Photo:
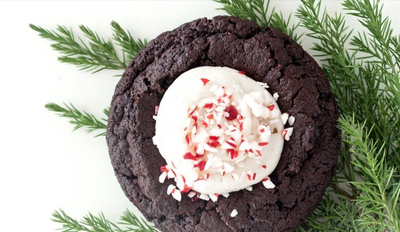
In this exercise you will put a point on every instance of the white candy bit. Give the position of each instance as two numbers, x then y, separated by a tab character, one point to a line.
191	194
170	189
250	188
264	85
235	176
256	108
155	140
219	92
228	168
265	113
155	117
234	213
179	183
275	96
204	196
213	88
286	133
171	175
200	150
177	195
268	183
264	137
213	197
226	195
284	118
162	177
257	97
291	120
244	146
191	109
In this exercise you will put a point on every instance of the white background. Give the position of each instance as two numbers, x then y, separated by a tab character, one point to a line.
44	166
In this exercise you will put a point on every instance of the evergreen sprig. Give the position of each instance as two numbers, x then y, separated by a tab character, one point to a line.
259	11
129	222
95	53
363	67
80	118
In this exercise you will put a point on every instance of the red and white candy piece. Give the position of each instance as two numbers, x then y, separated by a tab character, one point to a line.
268	183
287	132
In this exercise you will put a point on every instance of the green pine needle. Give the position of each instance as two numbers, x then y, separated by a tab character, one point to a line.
95	53
80	118
129	222
259	11
130	47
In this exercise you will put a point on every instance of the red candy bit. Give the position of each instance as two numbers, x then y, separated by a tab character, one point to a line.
271	107
214	137
155	110
213	143
210	116
232	144
208	105
231	110
242	72
265	179
164	169
264	166
284	132
259	152
241	126
186	189
219	126
204	80
232	153
201	165
262	130
262	144
187	139
205	124
194	117
189	155
248	176
254	176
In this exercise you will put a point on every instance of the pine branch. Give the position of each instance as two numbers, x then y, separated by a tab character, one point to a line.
124	39
92	223
97	53
379	187
259	11
80	118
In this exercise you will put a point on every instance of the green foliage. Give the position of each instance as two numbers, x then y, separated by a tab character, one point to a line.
80	118
97	53
259	11
92	223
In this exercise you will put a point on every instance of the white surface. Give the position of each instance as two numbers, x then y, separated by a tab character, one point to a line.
44	165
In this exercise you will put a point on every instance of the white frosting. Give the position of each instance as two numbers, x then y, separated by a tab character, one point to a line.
237	157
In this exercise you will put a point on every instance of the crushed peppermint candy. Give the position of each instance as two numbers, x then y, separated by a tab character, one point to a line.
218	137
234	213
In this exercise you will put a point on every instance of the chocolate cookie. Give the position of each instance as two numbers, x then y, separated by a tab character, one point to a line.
308	160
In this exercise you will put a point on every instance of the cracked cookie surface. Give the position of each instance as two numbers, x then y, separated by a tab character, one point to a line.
308	159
